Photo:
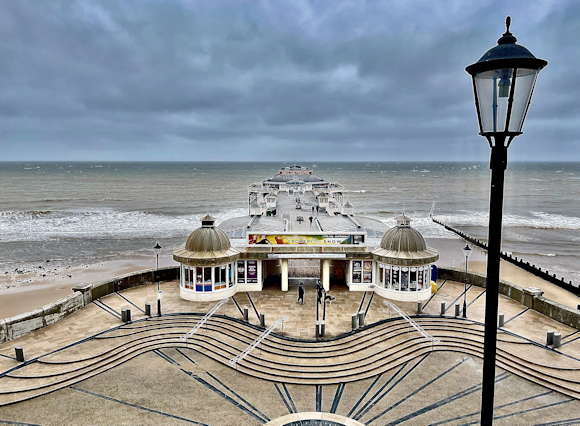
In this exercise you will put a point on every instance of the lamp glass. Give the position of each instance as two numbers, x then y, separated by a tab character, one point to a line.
467	251
494	88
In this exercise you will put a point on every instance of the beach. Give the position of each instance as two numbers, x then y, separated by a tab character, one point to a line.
67	223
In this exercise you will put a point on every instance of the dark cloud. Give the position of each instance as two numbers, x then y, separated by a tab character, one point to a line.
229	80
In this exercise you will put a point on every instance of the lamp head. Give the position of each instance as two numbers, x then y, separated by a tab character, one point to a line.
503	83
157	248
467	251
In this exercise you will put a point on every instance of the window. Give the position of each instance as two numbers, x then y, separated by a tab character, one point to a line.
220	277
404	279
395	277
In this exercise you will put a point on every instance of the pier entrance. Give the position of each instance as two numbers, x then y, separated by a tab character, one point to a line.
303	268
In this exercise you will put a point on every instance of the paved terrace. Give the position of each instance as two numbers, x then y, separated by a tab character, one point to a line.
92	369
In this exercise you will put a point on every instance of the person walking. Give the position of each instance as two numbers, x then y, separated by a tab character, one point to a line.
310	220
301	294
320	290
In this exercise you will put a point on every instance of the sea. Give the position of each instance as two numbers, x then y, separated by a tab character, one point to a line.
75	213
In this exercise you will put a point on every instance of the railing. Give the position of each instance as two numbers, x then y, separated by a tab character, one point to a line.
411	323
258	341
204	319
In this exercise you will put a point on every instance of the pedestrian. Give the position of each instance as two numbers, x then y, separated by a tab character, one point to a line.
312	209
310	220
316	209
301	294
319	290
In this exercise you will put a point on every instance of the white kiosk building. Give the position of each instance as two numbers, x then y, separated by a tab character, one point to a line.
403	264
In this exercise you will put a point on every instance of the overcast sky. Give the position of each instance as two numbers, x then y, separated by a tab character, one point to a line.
274	80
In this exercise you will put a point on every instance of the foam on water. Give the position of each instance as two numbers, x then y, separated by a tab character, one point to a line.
99	223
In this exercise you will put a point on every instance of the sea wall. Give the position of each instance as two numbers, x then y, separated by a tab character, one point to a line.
525	296
19	325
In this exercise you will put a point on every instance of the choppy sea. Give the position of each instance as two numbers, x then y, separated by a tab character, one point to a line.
88	212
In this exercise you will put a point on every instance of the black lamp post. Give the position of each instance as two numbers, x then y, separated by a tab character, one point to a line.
503	83
466	252
157	250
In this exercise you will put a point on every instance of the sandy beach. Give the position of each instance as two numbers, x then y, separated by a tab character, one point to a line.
17	298
36	287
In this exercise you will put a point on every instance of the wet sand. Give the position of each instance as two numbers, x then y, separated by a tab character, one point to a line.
19	298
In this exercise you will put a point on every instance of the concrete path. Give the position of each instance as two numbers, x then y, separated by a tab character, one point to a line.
145	376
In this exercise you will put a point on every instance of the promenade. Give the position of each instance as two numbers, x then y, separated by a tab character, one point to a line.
90	368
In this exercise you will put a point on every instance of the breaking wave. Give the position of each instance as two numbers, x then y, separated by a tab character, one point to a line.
100	223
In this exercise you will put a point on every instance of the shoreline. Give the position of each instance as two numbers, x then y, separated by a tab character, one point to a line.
16	298
27	292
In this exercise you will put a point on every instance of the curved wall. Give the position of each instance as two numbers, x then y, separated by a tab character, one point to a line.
403	296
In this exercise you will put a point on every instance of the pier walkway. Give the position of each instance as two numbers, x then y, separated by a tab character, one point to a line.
96	370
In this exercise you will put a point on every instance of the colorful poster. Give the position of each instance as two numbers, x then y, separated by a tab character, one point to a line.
252	271
317	240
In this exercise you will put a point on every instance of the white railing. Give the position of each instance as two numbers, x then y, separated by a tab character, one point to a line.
411	323
204	319
258	341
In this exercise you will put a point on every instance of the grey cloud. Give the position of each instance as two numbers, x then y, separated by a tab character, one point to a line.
335	79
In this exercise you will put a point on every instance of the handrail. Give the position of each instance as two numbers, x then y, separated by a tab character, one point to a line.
258	340
204	319
412	323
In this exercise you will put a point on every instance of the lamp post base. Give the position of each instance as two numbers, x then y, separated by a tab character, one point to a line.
158	307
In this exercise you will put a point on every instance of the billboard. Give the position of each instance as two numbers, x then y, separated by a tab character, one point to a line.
314	240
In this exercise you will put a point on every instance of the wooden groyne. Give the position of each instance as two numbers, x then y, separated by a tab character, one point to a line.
526	266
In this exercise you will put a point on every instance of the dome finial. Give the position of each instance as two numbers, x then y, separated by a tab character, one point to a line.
507	37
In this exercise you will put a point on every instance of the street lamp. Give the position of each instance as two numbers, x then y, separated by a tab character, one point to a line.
503	83
466	252
157	250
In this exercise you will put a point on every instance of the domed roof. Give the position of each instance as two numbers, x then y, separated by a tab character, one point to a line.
208	237
206	246
403	245
402	237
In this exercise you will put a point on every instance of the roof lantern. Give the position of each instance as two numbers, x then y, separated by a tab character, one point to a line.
207	245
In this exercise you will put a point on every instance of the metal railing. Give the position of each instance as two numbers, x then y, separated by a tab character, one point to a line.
258	341
411	323
204	319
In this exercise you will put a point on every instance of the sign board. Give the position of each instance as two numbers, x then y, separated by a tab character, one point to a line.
301	239
160	294
252	271
241	270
